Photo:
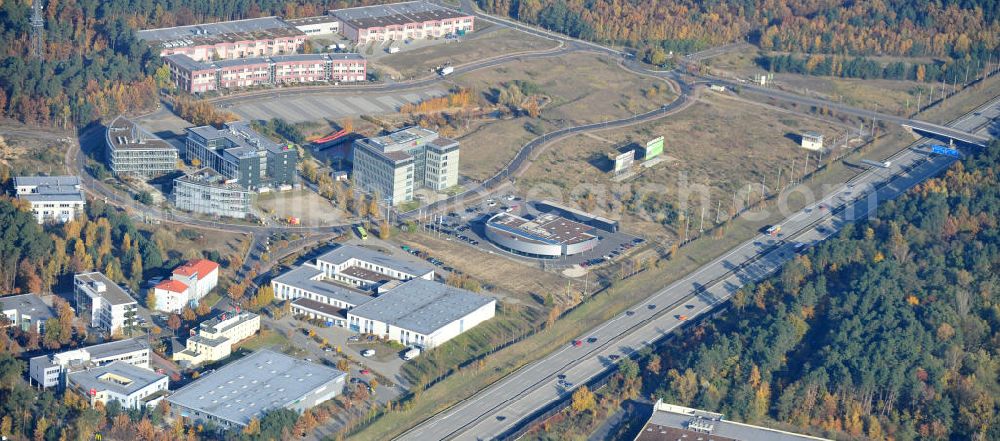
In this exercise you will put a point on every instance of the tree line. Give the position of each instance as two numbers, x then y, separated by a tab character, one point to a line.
866	68
953	29
890	330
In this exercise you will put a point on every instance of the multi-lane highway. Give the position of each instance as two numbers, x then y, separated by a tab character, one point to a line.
500	409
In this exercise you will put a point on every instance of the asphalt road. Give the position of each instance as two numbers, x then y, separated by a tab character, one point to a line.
501	407
923	126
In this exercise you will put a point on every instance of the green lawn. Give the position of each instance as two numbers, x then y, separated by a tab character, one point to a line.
267	338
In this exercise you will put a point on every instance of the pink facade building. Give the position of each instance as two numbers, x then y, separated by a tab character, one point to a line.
198	77
401	21
257	37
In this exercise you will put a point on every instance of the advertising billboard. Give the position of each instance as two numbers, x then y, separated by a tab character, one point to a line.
621	161
654	148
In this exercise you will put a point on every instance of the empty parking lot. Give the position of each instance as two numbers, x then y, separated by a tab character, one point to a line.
300	108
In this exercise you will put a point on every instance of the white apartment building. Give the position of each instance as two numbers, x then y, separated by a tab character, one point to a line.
52	198
215	337
187	285
103	303
129	385
394	165
201	275
47	370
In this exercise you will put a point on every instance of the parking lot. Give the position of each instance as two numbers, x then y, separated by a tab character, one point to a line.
468	227
301	108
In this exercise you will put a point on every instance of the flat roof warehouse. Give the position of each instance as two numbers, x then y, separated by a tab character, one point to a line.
254	384
395	14
222	31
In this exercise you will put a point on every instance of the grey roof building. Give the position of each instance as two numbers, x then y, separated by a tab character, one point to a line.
133	152
394	165
47	370
422	312
239	152
207	191
52	198
27	311
130	385
311	283
365	267
670	423
218	29
249	387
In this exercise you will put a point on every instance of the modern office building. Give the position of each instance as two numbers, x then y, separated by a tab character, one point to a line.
52	198
216	337
239	152
374	293
543	236
130	151
671	423
204	76
228	40
103	304
207	191
48	370
421	312
394	165
401	21
26	311
247	388
131	386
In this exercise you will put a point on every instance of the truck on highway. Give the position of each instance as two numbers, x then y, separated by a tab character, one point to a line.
411	353
879	164
445	70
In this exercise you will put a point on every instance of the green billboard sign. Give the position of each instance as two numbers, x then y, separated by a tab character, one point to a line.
654	148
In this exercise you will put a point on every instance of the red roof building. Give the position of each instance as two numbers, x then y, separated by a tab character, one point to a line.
198	267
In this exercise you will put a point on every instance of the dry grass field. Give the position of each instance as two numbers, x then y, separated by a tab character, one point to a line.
311	209
492	270
584	87
717	146
483	44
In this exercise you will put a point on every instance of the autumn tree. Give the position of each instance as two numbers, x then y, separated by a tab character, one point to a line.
583	400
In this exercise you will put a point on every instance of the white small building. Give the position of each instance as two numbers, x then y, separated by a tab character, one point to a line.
52	198
171	296
812	141
131	386
48	370
318	25
200	275
26	311
421	313
103	303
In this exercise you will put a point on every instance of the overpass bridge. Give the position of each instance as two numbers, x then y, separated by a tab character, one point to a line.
959	136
